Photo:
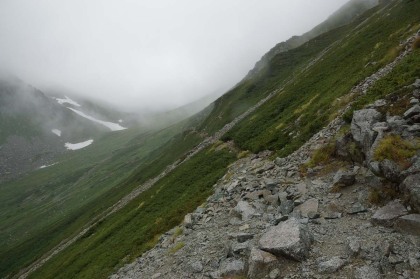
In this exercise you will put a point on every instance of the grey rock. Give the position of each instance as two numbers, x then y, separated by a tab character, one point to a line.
244	210
309	206
341	146
280	161
390	170
356	208
156	275
196	267
416	93
242	237
189	221
374	166
414	129
332	215
414	101
396	123
240	248
231	267
290	239
367	272
386	215
342	178
412	111
274	274
409	224
353	246
379	103
411	189
260	263
361	127
416	83
286	207
331	265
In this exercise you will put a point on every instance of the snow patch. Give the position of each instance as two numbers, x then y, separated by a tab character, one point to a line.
68	101
120	121
57	132
46	166
112	126
76	146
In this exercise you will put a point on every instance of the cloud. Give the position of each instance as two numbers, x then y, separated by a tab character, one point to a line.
146	54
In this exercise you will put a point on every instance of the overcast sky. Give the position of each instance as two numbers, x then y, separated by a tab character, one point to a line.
147	54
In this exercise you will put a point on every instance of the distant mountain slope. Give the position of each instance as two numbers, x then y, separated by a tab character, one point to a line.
342	16
36	128
278	66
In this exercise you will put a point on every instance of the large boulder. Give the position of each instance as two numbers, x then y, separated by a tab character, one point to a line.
290	239
361	127
411	189
260	263
386	215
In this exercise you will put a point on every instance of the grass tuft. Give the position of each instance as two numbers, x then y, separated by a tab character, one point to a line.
178	246
393	147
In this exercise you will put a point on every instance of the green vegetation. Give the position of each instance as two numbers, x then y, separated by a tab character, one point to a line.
285	122
135	228
48	205
322	155
392	85
393	147
176	247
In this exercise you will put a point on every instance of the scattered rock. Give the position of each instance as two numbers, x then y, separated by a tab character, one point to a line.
342	178
308	207
357	208
353	246
361	127
411	189
259	263
386	215
290	239
196	267
409	224
331	265
244	210
286	207
231	267
390	170
242	237
412	112
367	272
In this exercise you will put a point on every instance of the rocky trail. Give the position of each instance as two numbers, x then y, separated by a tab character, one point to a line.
284	219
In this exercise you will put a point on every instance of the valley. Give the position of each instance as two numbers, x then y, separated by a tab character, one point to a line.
95	193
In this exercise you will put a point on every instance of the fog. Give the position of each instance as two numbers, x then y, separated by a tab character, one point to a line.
146	54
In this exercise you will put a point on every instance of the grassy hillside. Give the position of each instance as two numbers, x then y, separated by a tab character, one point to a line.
126	234
39	210
310	99
310	102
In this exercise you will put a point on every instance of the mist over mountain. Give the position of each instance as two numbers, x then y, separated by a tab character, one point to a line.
154	55
306	167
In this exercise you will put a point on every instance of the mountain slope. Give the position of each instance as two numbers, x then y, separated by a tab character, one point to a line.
313	77
37	129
